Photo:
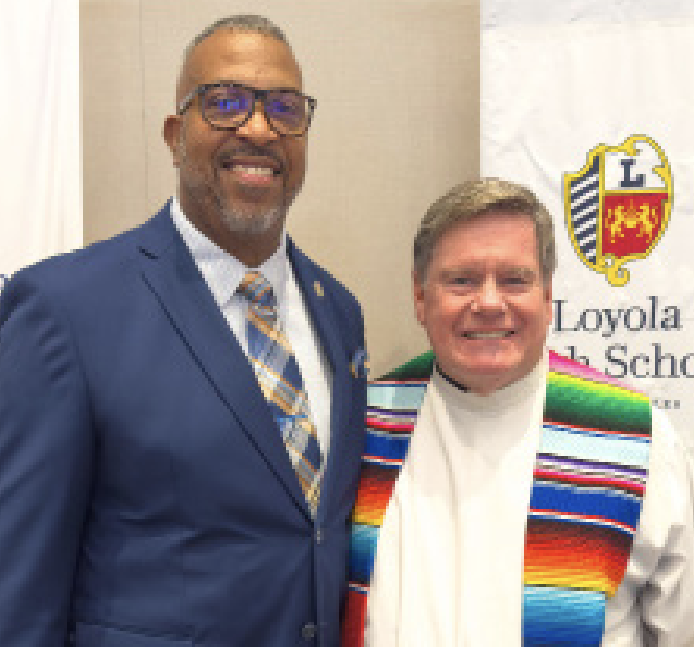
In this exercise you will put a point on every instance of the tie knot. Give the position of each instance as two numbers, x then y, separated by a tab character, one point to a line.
258	290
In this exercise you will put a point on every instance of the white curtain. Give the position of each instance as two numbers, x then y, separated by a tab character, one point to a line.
40	186
589	103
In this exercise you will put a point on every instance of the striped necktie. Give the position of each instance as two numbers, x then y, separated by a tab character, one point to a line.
280	381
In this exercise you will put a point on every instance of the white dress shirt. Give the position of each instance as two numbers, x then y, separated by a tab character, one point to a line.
224	273
449	563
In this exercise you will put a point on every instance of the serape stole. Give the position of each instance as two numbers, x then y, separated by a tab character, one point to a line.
588	484
393	403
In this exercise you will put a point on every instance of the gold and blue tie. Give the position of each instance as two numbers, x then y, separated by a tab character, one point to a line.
280	381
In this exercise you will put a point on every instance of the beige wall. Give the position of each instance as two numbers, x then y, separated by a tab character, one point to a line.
397	124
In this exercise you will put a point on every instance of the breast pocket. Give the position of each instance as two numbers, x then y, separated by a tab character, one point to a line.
96	634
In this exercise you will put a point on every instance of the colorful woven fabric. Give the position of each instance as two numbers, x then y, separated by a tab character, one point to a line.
391	415
588	484
280	381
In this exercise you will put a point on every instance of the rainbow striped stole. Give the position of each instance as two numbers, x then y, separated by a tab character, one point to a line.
392	409
588	484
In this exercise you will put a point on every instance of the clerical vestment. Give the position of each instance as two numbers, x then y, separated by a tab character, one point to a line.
589	474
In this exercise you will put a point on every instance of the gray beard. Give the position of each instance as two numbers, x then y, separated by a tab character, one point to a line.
239	221
244	223
236	220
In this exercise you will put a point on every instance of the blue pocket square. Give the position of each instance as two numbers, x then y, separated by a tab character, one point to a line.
359	366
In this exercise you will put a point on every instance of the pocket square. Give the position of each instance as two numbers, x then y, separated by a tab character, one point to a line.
359	365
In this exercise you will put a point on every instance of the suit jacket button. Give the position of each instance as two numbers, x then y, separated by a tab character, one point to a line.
309	631
319	536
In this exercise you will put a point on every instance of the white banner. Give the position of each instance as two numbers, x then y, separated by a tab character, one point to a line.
589	104
41	197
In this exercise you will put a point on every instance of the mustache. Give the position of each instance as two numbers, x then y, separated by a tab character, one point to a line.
250	150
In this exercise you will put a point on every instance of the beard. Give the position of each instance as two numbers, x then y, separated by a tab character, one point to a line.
236	214
237	218
250	220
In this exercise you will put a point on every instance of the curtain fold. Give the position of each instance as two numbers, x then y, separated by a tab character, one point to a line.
41	192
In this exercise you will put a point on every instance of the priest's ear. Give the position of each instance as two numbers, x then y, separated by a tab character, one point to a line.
419	289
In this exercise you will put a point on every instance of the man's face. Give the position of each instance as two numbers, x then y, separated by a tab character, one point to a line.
483	302
241	181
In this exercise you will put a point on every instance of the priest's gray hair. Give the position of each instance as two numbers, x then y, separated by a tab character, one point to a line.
475	199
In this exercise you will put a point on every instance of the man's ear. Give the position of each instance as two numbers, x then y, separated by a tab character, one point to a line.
547	298
172	131
418	287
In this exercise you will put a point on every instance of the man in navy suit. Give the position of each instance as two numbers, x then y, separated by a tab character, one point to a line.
146	494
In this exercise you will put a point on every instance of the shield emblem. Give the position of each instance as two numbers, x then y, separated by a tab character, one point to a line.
618	205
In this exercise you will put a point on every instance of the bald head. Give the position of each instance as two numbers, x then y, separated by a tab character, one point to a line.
239	24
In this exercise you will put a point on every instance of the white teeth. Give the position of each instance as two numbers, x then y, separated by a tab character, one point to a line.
259	171
490	335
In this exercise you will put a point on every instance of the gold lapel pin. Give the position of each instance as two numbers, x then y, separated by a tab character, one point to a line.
318	288
360	366
365	368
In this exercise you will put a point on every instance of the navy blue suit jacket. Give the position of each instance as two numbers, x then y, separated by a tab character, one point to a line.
146	495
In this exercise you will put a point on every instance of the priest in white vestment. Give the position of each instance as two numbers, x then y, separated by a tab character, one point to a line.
449	559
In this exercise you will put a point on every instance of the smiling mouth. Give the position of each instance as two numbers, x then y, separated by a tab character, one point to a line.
250	170
487	335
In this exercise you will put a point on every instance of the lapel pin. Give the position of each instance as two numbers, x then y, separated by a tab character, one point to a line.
360	364
318	288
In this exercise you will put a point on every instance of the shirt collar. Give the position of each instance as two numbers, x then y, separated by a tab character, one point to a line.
517	391
224	272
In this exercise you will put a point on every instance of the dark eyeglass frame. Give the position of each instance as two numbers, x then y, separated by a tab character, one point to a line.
201	89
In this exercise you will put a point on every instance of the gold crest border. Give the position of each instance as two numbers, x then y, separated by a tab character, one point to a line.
609	265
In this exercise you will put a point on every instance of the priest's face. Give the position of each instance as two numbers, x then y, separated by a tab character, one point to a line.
484	303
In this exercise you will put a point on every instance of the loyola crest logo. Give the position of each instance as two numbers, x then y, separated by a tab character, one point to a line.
618	205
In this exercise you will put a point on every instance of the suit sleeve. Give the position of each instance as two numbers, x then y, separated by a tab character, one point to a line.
46	451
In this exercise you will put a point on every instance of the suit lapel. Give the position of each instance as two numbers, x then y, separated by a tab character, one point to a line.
329	331
170	272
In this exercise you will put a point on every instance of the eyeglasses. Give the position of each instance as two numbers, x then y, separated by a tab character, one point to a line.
228	106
